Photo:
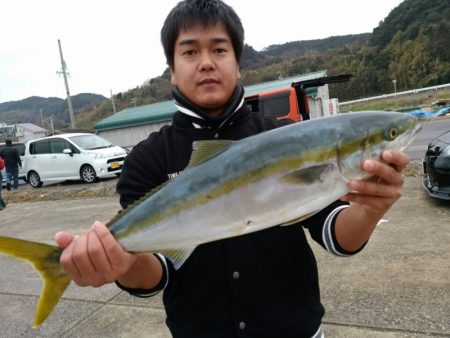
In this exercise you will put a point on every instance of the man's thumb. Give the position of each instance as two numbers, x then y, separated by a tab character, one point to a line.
63	239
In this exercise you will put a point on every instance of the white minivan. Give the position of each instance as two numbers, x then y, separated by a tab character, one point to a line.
71	156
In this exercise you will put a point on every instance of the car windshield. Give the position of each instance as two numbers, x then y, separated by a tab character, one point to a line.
445	137
90	142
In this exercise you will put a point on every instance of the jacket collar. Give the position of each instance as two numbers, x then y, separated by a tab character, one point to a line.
190	115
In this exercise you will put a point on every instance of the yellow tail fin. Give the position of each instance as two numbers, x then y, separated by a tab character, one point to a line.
45	259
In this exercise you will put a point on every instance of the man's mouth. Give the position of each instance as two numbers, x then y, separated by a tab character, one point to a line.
208	81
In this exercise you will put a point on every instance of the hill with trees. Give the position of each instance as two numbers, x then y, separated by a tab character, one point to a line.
410	45
28	110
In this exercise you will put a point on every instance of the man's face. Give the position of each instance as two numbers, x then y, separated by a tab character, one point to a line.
205	67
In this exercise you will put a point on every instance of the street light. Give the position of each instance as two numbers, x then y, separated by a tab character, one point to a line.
395	86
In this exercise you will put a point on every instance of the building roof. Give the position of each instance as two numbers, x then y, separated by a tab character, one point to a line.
163	111
31	127
149	113
282	83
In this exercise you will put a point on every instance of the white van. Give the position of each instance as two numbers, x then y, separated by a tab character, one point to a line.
71	156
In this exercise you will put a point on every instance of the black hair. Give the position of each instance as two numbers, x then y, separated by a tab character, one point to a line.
188	13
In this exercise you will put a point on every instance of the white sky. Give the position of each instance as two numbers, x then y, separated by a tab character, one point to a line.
115	44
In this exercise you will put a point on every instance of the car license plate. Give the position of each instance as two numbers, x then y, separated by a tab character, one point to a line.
115	165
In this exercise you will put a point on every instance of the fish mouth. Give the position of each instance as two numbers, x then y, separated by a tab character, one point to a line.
409	137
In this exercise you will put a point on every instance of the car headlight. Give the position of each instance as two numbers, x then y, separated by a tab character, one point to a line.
446	151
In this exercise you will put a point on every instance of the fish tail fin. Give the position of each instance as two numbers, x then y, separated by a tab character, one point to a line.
45	260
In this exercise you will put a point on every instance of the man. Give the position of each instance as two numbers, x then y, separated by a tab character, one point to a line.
2	202
12	163
263	284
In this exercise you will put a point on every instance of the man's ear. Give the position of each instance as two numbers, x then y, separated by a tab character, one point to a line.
173	78
238	75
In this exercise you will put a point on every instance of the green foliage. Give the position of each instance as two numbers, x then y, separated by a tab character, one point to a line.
410	45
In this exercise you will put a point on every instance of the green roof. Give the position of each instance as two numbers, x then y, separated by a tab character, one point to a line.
149	113
163	111
282	83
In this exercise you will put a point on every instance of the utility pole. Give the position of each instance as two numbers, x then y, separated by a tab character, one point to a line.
51	125
42	118
112	100
69	100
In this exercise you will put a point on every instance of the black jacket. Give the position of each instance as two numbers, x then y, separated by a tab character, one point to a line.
11	157
264	284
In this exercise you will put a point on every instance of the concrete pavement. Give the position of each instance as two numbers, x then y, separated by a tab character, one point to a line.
398	286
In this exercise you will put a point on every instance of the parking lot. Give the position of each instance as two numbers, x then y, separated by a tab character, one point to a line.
398	286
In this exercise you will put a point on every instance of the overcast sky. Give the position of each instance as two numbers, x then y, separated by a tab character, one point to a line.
112	45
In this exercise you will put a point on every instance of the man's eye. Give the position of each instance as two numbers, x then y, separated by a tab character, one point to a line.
220	50
189	52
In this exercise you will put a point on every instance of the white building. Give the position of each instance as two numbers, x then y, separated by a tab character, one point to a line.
28	131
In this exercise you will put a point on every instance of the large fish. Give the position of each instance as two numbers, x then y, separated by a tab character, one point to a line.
231	188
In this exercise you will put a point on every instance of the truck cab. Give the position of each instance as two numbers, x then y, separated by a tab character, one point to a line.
291	102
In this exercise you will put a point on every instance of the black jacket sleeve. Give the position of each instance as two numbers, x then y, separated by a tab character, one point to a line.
143	170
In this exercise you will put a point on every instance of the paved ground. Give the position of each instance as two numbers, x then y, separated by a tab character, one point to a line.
397	287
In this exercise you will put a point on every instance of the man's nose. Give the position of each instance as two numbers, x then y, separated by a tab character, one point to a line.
206	62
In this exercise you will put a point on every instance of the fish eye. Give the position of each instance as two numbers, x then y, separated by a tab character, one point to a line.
393	133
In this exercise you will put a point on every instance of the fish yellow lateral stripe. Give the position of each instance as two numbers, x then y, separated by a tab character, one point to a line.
231	188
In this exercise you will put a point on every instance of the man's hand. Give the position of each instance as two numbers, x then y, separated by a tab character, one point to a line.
93	258
370	199
376	195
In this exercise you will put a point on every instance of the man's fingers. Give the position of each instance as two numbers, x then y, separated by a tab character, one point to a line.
396	159
114	251
374	188
68	263
386	172
99	260
81	260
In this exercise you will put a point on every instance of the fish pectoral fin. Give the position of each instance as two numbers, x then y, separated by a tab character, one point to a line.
203	150
45	260
177	256
299	219
308	175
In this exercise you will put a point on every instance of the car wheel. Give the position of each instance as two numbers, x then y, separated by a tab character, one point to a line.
88	174
34	179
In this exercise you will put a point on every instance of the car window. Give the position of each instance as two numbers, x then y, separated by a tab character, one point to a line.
90	142
58	145
275	105
40	147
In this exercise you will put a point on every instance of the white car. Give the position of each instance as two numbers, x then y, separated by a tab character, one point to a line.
71	156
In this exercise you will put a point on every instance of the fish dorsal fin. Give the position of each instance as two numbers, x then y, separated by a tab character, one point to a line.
301	218
177	256
135	203
308	175
203	150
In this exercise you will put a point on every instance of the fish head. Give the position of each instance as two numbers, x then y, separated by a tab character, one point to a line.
368	134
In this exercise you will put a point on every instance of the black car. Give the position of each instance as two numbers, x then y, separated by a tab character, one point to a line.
436	167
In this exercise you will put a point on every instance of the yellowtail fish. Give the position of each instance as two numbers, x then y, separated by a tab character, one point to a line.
231	188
